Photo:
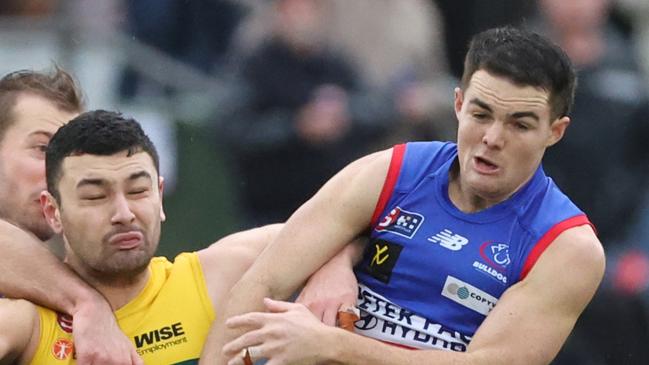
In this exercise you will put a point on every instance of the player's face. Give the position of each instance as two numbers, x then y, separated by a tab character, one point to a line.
503	132
110	213
22	161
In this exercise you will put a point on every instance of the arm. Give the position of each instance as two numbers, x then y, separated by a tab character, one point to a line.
225	261
21	317
333	288
31	272
528	325
342	208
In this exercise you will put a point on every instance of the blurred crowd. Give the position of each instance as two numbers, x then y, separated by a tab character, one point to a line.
316	83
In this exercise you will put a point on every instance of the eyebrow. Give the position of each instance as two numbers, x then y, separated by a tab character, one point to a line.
44	133
532	115
515	115
481	104
102	182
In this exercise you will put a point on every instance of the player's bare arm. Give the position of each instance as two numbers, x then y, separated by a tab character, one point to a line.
55	286
225	261
20	325
342	208
528	325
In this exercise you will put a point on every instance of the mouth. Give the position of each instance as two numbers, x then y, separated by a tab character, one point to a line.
485	166
126	240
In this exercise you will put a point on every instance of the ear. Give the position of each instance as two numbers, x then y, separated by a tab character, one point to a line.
557	130
161	184
51	211
458	100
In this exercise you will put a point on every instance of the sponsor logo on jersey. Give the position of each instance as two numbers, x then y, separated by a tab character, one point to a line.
401	222
382	256
64	321
160	339
468	295
495	256
450	240
386	321
62	349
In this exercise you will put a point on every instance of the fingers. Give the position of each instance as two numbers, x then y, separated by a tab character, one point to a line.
277	306
250	320
253	338
135	358
329	316
247	356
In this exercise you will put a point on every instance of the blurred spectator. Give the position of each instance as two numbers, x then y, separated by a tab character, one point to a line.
602	164
607	170
464	18
638	12
296	129
399	50
196	32
28	7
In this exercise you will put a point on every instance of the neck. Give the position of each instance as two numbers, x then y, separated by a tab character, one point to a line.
467	201
470	201
118	289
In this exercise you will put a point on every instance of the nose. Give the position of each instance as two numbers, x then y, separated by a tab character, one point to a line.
494	135
122	213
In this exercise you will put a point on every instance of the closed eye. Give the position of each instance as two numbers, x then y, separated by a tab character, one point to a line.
138	191
480	116
522	126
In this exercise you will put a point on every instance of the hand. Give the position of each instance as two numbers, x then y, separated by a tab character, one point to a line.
289	334
98	339
325	118
331	289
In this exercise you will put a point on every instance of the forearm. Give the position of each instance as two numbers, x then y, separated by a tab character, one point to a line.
352	253
244	297
30	271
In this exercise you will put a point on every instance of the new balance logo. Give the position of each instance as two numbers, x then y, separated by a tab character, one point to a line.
450	240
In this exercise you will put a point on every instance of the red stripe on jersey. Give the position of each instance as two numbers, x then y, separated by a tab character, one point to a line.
398	152
549	237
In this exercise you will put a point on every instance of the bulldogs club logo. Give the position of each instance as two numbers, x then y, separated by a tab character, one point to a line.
401	222
495	259
65	322
496	254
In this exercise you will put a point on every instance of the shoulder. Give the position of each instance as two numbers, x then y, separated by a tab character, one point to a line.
580	244
22	318
17	311
575	261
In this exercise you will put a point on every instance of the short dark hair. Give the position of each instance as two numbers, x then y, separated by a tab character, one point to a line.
527	59
97	132
55	85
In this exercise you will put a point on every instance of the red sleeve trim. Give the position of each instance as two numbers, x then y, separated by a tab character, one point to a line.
549	237
398	152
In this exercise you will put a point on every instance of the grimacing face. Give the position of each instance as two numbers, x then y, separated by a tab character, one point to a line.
22	161
110	213
503	132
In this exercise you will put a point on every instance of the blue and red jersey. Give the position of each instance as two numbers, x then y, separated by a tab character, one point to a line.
432	273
